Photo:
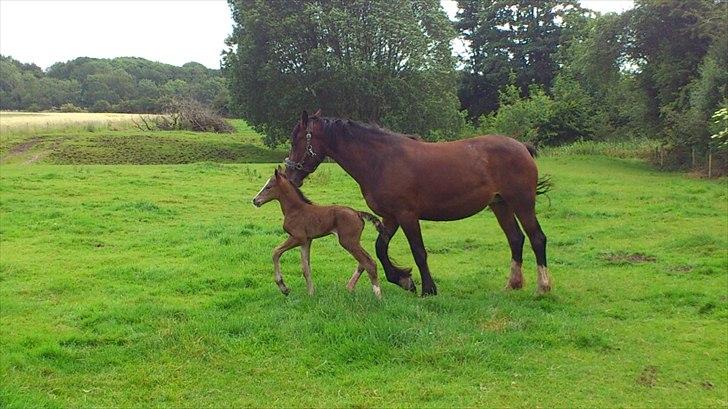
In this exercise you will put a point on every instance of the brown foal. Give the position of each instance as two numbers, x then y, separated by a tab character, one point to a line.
305	221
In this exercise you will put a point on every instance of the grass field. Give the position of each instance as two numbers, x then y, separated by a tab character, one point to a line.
39	121
151	285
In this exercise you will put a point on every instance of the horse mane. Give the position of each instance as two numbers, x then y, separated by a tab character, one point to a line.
298	191
360	129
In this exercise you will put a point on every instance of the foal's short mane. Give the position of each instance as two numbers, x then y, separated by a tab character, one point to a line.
298	191
359	129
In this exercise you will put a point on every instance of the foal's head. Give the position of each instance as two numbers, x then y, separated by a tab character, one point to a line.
278	187
270	191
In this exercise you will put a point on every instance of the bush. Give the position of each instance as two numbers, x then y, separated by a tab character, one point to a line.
69	107
187	115
101	106
526	119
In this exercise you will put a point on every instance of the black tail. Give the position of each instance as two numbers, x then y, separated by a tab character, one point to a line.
544	185
373	219
531	149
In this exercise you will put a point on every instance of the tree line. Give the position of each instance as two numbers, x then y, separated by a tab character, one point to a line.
125	84
549	71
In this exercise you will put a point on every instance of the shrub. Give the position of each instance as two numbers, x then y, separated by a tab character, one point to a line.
186	114
69	107
101	106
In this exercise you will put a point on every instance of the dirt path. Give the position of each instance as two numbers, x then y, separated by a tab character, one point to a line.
22	148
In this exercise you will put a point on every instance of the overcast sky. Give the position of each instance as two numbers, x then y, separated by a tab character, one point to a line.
170	31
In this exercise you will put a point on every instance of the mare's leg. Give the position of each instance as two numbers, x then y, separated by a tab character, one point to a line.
352	245
282	248
507	221
397	275
411	227
354	277
526	213
306	265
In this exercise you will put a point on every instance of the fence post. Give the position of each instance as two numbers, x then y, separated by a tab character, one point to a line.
710	163
693	154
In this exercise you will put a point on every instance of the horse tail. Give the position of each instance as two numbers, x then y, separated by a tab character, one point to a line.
544	185
531	149
373	219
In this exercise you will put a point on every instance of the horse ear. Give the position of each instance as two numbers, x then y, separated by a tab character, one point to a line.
276	174
304	118
318	113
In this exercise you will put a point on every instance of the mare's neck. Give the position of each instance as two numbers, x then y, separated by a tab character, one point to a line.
360	156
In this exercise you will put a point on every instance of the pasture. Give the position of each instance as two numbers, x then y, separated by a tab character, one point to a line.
152	285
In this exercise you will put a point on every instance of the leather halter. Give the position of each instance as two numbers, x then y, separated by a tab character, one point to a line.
309	151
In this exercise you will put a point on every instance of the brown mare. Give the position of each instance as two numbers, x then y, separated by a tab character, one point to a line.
305	221
405	180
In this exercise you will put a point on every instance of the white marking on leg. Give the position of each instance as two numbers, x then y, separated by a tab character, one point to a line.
544	280
377	291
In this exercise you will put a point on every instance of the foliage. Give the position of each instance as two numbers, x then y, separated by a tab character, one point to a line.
382	61
521	36
720	125
522	118
118	85
152	286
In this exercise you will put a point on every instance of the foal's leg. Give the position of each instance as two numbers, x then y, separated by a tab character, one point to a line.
282	248
507	221
352	245
411	227
397	275
354	277
306	265
526	213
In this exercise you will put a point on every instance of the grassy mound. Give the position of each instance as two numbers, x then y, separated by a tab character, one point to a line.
107	145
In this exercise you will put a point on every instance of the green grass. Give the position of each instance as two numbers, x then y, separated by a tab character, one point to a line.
152	286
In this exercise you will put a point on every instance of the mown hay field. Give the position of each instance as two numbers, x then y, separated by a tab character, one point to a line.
15	121
152	285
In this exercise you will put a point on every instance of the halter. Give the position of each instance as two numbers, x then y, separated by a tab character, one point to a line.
309	152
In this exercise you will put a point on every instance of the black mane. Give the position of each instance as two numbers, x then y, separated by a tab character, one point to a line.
338	126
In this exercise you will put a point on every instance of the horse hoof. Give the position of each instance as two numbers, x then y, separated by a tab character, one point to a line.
543	290
514	285
426	292
408	284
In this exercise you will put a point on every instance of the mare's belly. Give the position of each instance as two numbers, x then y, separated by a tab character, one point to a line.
454	208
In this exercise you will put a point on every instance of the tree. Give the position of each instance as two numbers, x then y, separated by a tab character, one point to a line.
385	61
667	41
521	36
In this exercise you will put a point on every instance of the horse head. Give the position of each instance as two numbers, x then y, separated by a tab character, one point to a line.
307	147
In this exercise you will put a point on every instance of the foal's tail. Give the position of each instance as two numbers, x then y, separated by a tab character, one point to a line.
373	219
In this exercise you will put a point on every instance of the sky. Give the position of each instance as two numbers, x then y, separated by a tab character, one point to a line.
170	31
